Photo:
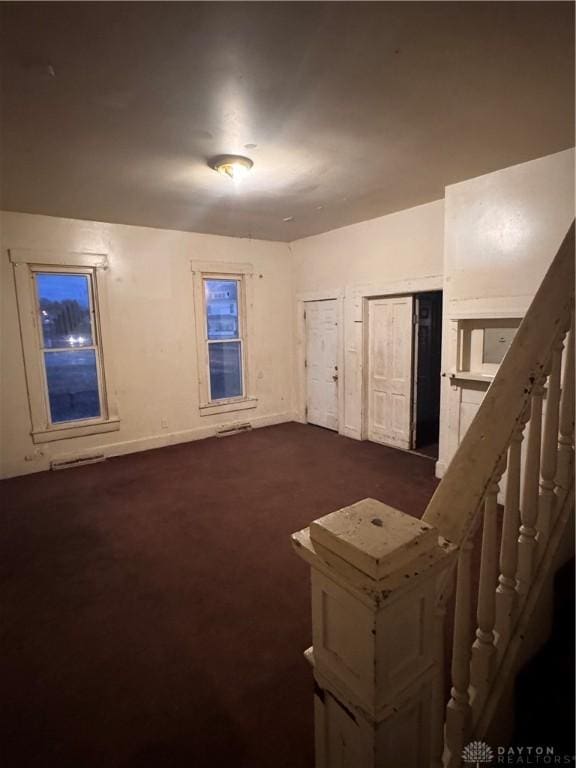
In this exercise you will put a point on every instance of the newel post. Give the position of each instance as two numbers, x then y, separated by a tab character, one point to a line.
376	574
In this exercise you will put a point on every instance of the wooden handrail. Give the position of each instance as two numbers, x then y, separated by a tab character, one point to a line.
454	506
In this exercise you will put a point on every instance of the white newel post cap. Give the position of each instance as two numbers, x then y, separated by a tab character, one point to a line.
373	537
375	580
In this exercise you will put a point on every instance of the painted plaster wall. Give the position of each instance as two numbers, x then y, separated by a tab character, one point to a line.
154	348
398	253
403	245
487	245
502	231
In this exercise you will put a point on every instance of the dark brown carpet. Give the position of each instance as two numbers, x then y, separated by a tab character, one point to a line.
153	612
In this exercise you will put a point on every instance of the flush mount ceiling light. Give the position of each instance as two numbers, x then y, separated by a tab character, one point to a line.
234	166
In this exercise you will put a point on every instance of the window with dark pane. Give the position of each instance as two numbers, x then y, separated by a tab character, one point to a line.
69	345
225	360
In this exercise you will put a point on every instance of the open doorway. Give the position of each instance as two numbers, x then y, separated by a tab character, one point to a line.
403	371
427	354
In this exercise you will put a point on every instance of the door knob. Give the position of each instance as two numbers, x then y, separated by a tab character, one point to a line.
335	377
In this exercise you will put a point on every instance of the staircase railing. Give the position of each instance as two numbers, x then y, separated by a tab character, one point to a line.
386	588
517	548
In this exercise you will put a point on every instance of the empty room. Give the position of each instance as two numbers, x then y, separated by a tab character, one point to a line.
287	384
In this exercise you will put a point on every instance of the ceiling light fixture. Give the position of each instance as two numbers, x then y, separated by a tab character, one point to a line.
234	166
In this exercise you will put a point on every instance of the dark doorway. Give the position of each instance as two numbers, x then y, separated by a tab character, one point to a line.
427	385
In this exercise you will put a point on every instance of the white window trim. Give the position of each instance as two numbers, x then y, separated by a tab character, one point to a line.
26	264
244	273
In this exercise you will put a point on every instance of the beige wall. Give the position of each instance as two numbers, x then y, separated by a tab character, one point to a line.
403	245
487	245
502	231
399	253
154	349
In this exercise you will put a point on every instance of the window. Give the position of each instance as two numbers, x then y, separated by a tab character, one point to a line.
60	298
222	322
223	336
69	345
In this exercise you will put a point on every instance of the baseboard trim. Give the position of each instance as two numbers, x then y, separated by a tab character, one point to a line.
440	469
186	436
124	447
351	432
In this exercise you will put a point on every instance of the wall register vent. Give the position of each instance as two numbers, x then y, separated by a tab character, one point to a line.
78	461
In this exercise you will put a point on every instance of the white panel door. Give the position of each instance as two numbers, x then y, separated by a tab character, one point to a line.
390	349
321	363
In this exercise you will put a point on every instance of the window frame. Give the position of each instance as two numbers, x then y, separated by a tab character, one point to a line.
27	264
239	339
243	275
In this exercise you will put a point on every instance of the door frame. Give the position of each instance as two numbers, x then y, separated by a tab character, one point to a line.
409	287
351	344
300	361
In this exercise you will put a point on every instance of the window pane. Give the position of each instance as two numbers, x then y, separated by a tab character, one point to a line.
64	301
222	309
72	385
225	370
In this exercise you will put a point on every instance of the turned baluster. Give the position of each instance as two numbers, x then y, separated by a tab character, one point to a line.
550	447
506	595
458	709
530	496
438	704
566	437
484	649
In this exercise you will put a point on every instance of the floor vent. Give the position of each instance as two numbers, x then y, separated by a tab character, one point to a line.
233	429
77	462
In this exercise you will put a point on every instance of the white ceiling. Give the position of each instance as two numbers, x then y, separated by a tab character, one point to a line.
349	110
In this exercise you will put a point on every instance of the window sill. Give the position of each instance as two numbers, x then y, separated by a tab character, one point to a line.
74	430
209	409
488	378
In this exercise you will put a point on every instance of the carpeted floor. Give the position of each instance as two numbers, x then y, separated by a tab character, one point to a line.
153	612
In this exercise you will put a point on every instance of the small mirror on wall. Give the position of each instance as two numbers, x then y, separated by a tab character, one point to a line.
497	341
